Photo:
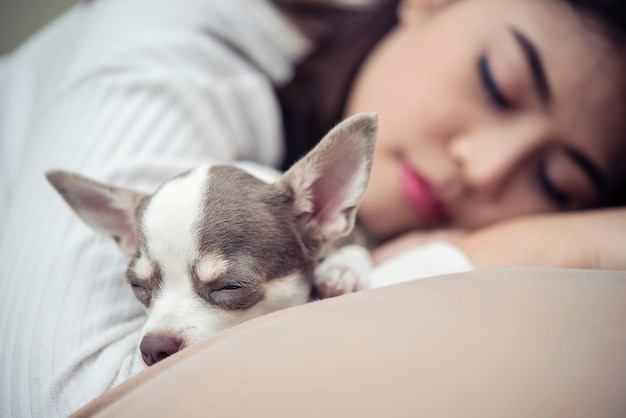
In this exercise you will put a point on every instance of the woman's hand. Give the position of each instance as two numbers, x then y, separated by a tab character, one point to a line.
590	239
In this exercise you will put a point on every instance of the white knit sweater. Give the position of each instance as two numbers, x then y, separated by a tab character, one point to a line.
129	92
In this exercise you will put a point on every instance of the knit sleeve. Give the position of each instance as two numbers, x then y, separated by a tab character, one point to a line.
132	115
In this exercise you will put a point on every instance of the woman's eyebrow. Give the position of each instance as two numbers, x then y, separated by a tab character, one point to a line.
535	64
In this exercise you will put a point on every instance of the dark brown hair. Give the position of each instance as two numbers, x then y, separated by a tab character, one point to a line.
314	100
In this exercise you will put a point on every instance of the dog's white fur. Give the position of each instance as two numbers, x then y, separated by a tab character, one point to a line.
167	238
190	287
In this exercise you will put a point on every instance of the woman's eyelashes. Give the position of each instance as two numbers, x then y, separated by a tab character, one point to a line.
489	84
548	187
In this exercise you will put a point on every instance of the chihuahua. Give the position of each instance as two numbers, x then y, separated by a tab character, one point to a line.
216	246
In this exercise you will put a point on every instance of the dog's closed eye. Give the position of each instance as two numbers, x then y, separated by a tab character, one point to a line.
142	292
228	287
233	295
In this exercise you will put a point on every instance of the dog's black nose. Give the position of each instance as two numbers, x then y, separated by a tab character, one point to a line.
155	348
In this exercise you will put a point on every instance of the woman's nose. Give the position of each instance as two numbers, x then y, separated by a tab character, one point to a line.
489	163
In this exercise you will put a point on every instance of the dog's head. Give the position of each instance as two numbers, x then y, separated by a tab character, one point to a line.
217	246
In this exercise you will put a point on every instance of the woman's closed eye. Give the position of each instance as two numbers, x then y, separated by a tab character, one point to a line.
554	194
490	86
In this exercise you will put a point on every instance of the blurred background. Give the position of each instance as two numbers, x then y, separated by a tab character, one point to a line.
21	18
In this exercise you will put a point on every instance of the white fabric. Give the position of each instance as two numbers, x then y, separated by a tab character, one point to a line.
129	92
432	259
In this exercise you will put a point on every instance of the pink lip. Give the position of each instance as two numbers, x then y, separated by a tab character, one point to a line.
421	194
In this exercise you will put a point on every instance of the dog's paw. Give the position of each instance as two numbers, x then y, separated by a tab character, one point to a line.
344	271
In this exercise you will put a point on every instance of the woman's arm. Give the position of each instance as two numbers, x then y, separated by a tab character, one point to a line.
591	239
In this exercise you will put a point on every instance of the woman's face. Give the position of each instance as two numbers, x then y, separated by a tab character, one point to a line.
488	110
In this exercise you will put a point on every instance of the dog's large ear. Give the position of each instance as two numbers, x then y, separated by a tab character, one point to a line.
330	180
106	209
